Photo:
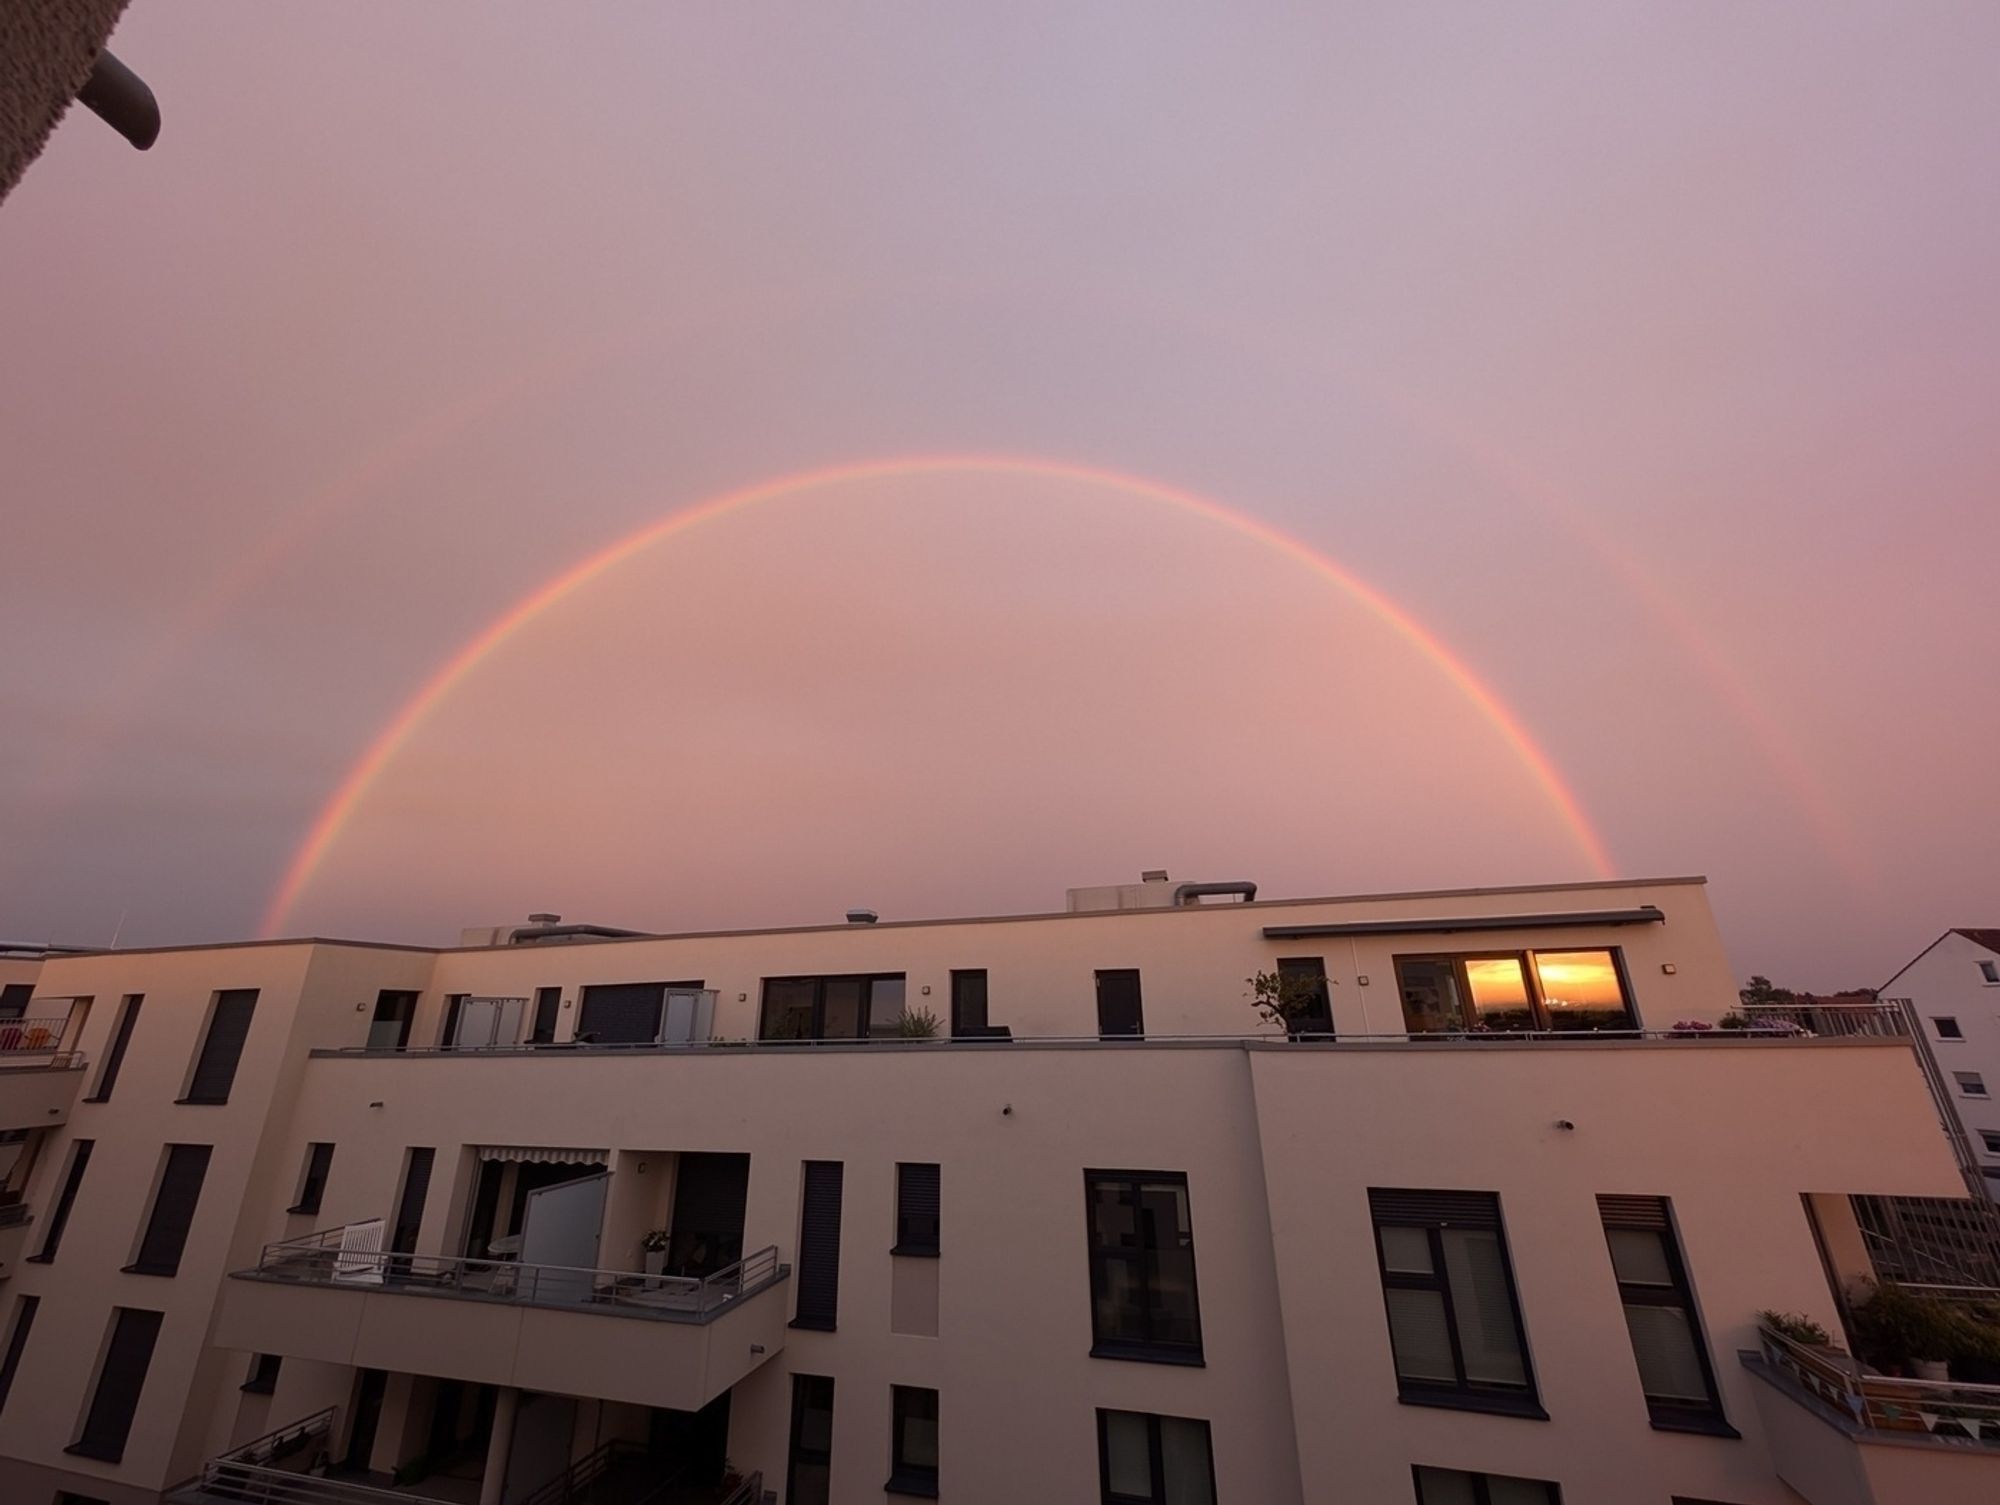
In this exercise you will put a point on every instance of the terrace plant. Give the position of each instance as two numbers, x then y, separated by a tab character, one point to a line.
1284	998
917	1024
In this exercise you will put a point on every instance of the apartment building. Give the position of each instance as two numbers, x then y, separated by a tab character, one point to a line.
1013	1208
1953	988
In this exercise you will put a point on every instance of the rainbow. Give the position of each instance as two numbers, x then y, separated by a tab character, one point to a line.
354	786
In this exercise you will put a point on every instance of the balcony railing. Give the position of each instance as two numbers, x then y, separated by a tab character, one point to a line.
1847	1022
1830	1020
352	1257
274	1470
1945	1410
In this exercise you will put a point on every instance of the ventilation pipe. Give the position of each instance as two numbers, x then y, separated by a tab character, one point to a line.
1187	894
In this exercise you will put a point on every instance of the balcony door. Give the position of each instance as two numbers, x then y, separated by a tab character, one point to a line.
1118	1006
562	1227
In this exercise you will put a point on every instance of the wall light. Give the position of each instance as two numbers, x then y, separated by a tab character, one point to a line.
1669	968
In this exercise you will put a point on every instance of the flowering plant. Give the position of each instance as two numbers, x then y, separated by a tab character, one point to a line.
656	1241
1692	1026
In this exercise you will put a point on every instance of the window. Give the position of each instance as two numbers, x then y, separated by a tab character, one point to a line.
79	1158
263	1379
1947	1027
548	1003
832	1008
1515	990
114	1053
448	1028
410	1205
1153	1460
968	1004
1118	1007
395	1012
17	1343
1450	1486
120	1379
222	1046
173	1210
1304	979
809	1470
1970	1083
818	1273
917	1189
1454	1321
312	1183
1142	1285
913	1444
1990	971
14	998
1674	1367
1992	1139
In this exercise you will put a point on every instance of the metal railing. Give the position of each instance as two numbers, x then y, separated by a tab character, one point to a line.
274	1470
13	1214
1829	1020
1965	1414
320	1259
749	1492
573	1481
1879	1023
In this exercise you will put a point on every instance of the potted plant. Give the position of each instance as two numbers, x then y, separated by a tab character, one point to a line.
1285	998
654	1247
1691	1029
1801	1330
916	1024
1897	1328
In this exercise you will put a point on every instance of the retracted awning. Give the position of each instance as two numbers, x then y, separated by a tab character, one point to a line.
535	1154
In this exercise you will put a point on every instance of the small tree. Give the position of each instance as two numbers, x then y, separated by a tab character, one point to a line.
1761	990
1284	998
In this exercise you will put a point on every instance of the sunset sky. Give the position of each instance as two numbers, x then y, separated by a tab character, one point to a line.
1354	447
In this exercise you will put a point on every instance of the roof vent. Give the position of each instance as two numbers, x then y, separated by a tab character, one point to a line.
862	917
544	919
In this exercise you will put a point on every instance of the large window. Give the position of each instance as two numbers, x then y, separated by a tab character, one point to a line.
817	1278
1454	1323
968	1004
395	1011
918	1188
1153	1460
172	1216
222	1047
1512	991
1142	1284
832	1008
913	1442
120	1380
79	1161
1304	982
1451	1486
114	1054
1674	1367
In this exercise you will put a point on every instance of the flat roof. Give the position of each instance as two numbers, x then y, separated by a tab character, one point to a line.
1589	885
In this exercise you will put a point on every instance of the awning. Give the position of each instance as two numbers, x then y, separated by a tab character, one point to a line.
531	1154
1645	914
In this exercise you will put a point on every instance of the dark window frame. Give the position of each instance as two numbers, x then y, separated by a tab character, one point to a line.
184	1167
1466	1394
541	1032
816	1262
905	1477
95	1436
1971	1084
1156	1455
25	1307
1482	1492
195	1096
1538	1009
919	1209
114	1052
794	1452
964	1006
1956	1031
1625	1214
263	1376
402	1005
65	1203
1138	1030
1147	1349
313	1177
1319	1025
865	1013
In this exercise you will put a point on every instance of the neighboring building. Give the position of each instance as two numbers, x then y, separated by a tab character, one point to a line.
1953	988
563	1214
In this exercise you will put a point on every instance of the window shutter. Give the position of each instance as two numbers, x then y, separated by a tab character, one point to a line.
917	1209
65	1199
1633	1212
228	1028
17	1342
173	1210
819	1246
119	1383
114	1055
319	1161
1440	1209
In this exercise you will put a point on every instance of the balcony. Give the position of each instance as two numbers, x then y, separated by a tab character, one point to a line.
1841	1437
653	1340
290	1467
38	1079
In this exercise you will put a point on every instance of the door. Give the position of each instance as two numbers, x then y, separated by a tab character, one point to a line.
706	1233
1118	1010
410	1207
368	1391
808	1478
968	1004
561	1228
548	1003
1304	978
624	1013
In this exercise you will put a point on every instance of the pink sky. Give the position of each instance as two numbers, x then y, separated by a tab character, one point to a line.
1645	355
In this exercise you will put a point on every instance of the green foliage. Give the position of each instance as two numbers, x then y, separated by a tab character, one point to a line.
1760	990
1282	998
1799	1329
1898	1326
917	1024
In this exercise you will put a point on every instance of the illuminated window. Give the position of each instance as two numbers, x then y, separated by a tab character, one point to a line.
1515	991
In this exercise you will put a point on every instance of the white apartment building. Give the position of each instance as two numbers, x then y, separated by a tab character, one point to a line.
561	1214
1953	988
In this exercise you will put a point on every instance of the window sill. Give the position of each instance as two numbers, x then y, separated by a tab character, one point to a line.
161	1270
1137	1354
1524	1406
39	1259
917	1488
1705	1426
250	1388
908	1252
102	1455
302	1210
811	1325
201	1102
